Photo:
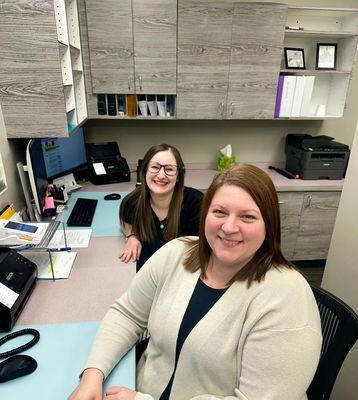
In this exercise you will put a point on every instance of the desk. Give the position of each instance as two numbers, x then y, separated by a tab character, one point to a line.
67	313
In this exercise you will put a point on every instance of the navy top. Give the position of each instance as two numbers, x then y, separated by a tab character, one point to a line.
188	224
201	301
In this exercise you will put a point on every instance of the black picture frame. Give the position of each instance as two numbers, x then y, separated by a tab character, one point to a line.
326	56
294	58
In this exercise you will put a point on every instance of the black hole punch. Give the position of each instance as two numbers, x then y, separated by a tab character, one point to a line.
32	342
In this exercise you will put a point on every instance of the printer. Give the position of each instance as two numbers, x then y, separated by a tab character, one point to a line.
17	280
315	157
105	163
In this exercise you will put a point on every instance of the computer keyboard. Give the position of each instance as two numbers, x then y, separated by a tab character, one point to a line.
82	212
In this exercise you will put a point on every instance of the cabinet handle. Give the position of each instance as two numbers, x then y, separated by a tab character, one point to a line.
140	82
308	201
231	109
221	109
281	202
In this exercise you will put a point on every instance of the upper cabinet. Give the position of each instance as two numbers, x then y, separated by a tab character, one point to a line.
256	48
42	91
110	41
204	46
320	88
228	58
132	45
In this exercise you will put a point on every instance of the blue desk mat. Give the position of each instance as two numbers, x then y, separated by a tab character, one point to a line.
61	354
106	218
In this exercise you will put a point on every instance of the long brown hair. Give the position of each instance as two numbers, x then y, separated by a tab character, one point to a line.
143	224
260	187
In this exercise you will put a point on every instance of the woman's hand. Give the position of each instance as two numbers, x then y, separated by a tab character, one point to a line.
119	393
90	387
131	251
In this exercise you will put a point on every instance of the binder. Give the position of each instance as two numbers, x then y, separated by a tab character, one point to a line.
298	96
287	95
279	96
307	96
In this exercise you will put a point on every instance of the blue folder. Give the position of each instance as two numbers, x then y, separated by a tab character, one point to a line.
61	355
106	218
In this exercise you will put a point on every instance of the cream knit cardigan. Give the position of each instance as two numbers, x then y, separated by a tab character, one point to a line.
257	343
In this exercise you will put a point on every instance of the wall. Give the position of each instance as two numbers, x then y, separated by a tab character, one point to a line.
341	272
252	140
11	152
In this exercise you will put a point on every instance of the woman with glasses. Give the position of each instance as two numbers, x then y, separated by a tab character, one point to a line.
161	208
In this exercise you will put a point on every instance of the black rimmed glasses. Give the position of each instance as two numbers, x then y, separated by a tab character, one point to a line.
169	169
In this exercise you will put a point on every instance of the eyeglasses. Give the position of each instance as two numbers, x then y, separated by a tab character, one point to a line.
169	169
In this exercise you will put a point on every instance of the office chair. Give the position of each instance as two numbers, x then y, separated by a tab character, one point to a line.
340	332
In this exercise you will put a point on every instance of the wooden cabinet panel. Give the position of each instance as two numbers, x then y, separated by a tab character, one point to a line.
204	41
31	89
110	40
257	42
316	225
290	210
155	42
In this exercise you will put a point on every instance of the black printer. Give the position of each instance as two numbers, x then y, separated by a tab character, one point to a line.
315	157
105	164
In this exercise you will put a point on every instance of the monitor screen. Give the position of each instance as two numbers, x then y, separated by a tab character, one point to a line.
49	158
63	155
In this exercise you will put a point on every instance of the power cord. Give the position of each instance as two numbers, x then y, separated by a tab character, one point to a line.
10	336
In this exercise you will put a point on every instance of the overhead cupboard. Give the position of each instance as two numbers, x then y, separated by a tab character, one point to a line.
42	89
177	59
224	60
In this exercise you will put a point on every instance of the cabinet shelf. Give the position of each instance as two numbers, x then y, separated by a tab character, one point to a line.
317	34
313	72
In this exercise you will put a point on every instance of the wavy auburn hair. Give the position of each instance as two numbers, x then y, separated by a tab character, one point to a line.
260	187
143	224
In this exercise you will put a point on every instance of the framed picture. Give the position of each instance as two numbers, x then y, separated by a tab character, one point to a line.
326	56
294	58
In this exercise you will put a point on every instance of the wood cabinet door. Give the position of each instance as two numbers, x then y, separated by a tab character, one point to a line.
31	89
318	216
155	46
290	210
110	42
204	41
257	42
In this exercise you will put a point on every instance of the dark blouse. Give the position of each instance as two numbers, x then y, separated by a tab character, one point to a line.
201	301
188	224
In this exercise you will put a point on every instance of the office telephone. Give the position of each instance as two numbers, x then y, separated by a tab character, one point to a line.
105	163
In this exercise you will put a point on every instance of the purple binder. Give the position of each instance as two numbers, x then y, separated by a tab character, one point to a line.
279	96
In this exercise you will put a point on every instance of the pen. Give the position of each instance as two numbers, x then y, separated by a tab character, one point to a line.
59	249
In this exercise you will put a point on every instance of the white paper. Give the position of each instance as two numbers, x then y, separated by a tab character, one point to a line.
74	239
66	180
62	263
99	168
7	296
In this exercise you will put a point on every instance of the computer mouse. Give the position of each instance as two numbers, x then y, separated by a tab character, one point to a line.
112	196
16	366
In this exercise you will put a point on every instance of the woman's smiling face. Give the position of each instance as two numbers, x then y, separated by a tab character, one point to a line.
161	183
234	227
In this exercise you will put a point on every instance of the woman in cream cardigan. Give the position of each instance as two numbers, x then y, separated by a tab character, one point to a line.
229	317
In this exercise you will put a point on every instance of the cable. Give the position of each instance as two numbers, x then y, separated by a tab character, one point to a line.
32	342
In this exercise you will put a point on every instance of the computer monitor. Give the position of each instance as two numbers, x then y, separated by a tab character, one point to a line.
50	158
